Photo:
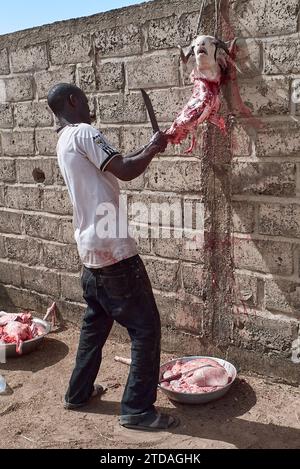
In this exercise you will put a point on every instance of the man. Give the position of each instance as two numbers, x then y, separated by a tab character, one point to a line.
115	284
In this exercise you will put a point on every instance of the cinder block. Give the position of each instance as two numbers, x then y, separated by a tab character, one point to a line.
25	168
279	220
42	226
172	30
110	76
25	250
263	333
153	71
278	139
41	280
174	175
56	200
155	209
263	256
19	299
61	256
266	95
30	58
282	296
282	56
135	184
10	273
18	143
181	314
119	41
168	103
135	137
10	222
23	197
162	273
194	279
119	108
18	88
257	18
7	170
70	49
33	115
278	179
187	248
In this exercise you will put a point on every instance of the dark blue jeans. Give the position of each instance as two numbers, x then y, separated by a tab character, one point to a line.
121	292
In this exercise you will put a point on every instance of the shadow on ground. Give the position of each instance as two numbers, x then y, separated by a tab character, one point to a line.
49	352
220	421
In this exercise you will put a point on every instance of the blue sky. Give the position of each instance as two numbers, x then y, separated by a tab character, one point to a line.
23	14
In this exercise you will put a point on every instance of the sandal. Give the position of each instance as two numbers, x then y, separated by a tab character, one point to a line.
98	391
152	422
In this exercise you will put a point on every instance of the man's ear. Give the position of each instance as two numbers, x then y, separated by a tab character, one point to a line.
72	100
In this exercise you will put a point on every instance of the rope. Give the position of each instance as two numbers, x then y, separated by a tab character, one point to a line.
200	16
217	11
217	7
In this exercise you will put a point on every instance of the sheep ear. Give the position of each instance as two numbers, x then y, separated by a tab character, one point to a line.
185	57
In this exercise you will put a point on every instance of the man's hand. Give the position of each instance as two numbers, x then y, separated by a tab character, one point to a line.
158	142
127	169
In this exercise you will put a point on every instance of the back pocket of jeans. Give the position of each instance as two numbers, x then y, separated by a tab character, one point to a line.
117	286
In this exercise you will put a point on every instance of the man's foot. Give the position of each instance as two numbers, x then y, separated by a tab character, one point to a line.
98	391
152	422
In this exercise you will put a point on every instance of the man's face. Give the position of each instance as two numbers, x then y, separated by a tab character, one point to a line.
83	108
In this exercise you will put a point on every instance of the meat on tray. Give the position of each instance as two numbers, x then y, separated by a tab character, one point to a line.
199	375
17	328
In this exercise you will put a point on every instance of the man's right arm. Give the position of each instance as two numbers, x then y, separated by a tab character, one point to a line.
130	167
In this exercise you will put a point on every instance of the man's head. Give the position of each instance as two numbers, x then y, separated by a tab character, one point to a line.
69	102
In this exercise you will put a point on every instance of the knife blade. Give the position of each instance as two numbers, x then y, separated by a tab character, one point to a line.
150	110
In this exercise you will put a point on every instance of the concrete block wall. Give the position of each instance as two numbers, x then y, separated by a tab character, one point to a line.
237	295
265	190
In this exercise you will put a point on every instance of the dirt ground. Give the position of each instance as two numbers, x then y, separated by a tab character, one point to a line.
256	413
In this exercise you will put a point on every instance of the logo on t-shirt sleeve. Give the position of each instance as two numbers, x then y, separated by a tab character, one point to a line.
99	140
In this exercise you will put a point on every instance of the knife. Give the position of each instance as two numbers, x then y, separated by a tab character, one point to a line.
150	110
182	373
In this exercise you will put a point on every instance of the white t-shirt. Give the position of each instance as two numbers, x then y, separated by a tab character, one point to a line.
99	219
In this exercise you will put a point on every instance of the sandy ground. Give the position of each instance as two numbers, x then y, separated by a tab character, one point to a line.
256	413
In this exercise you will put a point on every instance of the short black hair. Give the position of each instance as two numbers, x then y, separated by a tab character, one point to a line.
59	94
